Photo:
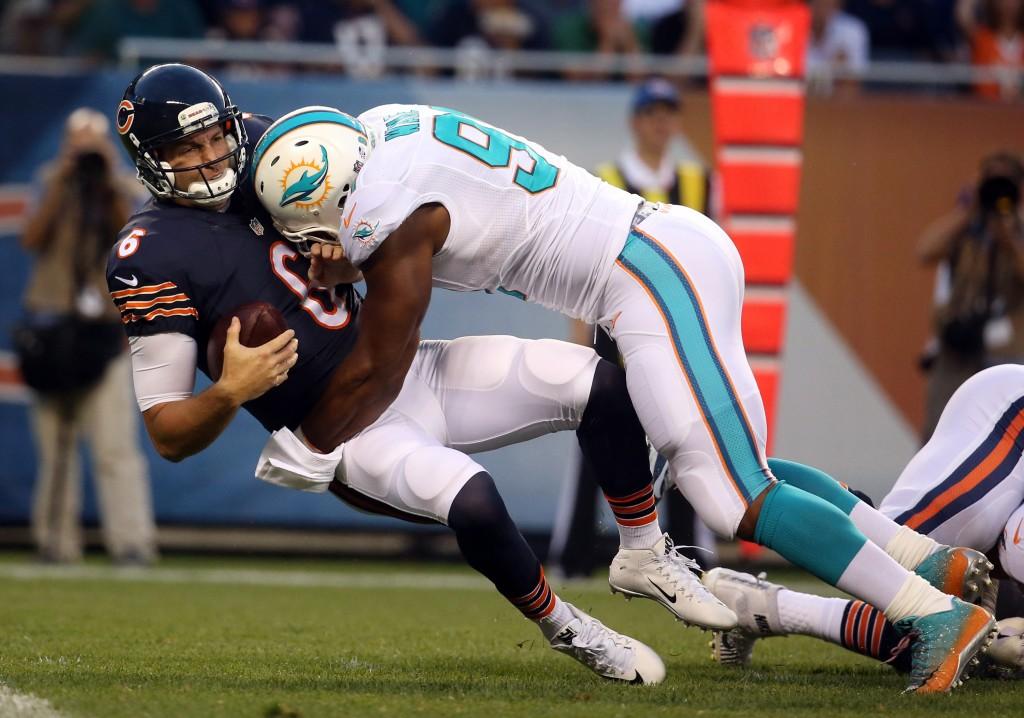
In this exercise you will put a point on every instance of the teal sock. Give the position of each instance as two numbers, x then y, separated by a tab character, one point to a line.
814	481
808	531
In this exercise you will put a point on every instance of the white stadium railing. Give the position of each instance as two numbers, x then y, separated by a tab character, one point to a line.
481	62
478	62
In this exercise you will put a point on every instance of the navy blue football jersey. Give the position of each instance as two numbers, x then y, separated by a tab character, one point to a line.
180	269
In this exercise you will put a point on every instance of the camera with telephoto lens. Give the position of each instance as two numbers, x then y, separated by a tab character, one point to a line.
998	195
90	166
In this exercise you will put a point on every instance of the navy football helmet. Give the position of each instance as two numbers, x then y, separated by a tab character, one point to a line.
167	103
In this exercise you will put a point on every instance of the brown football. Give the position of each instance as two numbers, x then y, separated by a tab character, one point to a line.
261	322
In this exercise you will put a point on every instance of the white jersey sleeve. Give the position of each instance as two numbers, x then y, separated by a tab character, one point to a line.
163	368
372	213
381	201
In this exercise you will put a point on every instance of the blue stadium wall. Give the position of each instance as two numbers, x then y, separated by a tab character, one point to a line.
217	487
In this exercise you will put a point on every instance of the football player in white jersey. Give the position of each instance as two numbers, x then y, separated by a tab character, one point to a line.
965	486
202	248
416	196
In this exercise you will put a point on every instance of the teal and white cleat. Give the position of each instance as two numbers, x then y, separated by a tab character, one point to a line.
944	644
960	572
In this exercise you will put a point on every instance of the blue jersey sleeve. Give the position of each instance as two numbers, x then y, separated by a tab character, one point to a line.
153	292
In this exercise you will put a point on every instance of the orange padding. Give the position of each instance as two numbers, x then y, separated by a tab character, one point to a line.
767	256
758	118
764	320
759	187
757	41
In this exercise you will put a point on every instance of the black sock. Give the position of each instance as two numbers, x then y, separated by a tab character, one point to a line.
613	442
492	545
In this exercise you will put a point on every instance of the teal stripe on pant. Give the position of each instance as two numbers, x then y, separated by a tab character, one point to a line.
814	481
678	303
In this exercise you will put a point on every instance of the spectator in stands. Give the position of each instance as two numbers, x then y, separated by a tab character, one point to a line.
906	30
326	21
614	32
647	167
475	27
502	24
25	28
980	248
995	31
73	355
253	21
239	20
362	30
838	40
668	26
38	27
106	22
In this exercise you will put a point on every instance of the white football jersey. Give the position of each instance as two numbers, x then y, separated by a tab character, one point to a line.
524	220
965	483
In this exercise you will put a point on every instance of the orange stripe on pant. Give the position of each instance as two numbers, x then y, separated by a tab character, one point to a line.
977	474
699	306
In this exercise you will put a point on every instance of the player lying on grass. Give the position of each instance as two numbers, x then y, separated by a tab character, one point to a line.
423	196
203	247
965	486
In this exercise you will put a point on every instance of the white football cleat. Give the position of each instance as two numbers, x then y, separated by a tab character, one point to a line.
756	604
732	648
607	653
1005	657
664	575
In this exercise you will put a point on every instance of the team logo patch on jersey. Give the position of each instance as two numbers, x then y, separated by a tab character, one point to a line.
125	117
365	231
305	183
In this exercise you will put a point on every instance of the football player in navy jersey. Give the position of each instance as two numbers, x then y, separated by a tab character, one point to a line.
203	246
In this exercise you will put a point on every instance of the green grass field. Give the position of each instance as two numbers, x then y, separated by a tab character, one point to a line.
242	637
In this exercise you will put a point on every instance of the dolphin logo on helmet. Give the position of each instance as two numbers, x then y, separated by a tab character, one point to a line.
303	188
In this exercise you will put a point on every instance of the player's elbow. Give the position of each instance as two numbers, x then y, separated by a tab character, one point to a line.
170	453
171	448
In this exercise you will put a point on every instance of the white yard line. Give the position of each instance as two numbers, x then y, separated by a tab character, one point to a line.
265	577
296	578
25	705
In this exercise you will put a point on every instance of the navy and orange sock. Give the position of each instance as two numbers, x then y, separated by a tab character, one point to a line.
636	516
539	602
865	630
542	606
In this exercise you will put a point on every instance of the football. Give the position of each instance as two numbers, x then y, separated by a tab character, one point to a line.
260	321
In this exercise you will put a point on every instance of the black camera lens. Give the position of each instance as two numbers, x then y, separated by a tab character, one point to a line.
998	194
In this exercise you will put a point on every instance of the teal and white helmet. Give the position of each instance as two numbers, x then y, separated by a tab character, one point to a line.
305	167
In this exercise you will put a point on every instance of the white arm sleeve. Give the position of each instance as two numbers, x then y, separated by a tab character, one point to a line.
163	368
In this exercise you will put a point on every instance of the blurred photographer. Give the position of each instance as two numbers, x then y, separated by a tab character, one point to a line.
979	249
72	354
